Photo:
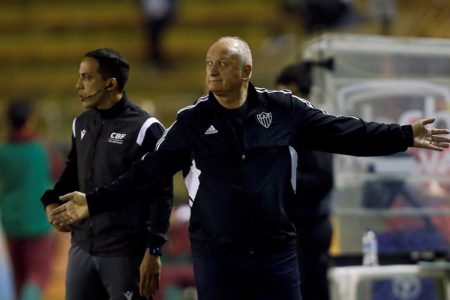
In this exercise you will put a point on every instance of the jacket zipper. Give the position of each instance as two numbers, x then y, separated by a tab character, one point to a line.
91	179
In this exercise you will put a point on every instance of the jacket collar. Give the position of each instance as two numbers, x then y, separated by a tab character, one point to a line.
255	102
116	110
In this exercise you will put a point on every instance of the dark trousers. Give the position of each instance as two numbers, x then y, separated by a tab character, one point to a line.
247	274
101	278
314	240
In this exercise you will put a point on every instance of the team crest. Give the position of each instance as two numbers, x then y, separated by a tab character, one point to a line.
265	119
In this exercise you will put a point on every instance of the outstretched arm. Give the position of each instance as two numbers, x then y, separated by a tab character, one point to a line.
156	167
143	175
353	136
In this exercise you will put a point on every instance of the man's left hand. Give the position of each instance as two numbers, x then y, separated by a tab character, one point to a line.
429	138
149	275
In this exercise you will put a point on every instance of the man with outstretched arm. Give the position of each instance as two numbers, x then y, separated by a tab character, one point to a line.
241	144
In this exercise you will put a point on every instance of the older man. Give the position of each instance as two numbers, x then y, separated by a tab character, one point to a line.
240	143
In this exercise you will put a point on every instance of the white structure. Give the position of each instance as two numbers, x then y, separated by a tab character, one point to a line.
393	80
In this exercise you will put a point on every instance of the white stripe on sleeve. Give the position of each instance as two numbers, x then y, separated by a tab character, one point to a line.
192	182
294	163
73	128
144	127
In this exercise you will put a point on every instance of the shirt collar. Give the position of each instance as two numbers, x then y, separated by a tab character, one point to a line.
116	110
255	102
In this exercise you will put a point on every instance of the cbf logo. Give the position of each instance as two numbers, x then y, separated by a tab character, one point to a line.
117	138
265	119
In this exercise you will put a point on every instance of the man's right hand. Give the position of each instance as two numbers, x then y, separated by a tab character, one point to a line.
48	209
73	210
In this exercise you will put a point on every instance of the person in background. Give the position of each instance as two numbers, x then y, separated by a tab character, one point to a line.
6	280
113	255
314	186
24	176
157	16
241	144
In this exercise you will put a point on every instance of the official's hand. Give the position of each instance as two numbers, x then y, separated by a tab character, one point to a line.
74	210
429	138
149	275
48	209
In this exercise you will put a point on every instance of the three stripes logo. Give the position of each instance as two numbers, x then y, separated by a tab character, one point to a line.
211	130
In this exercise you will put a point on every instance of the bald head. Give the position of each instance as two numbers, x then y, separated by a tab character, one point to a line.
238	47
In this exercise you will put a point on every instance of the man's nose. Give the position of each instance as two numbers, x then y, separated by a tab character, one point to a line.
78	84
213	70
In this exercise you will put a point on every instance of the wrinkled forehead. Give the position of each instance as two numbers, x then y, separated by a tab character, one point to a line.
223	49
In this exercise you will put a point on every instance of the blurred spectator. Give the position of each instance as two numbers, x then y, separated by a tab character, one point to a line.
24	175
157	16
6	284
383	11
314	185
316	15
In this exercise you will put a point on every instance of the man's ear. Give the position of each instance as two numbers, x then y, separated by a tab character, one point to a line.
112	83
246	72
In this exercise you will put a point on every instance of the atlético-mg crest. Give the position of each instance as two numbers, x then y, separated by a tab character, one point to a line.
265	119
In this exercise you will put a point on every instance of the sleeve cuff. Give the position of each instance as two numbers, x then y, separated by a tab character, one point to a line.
155	240
92	203
155	251
408	133
49	197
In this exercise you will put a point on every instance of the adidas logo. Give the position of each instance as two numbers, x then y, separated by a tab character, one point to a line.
211	130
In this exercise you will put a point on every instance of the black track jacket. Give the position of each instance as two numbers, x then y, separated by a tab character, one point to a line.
105	143
242	180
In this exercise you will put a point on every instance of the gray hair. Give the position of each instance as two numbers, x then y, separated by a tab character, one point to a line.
242	48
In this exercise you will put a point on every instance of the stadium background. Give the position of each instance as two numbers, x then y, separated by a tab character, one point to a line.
42	42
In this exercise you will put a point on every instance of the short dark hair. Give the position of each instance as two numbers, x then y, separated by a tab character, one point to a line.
298	74
18	112
112	64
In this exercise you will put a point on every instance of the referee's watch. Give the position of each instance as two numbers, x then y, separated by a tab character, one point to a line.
155	251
